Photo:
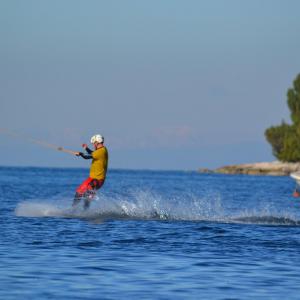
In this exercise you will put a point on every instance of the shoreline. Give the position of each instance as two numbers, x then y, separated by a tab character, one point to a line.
275	168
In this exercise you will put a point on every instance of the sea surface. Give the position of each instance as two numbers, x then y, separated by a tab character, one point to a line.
148	235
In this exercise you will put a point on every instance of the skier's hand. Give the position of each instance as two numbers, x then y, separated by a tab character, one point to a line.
84	146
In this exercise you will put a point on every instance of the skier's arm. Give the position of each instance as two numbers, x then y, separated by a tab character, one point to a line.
87	149
85	156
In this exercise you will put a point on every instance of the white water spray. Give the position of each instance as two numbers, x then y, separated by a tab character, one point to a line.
144	205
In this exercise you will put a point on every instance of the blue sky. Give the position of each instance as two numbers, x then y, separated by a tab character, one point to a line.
170	84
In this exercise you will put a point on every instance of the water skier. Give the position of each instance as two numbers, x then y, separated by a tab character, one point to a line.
99	156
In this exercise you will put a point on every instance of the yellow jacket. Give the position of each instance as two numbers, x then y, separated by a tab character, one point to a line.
99	163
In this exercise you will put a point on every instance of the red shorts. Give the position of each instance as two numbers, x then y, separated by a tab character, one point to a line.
90	184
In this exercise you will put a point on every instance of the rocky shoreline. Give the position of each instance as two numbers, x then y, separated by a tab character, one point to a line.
275	168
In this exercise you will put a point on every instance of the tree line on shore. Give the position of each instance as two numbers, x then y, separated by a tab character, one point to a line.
285	138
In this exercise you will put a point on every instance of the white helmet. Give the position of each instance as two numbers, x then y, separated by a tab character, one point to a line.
97	138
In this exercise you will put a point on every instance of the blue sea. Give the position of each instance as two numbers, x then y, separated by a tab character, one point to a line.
148	235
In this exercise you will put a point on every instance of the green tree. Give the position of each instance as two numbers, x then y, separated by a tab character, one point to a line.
285	138
293	96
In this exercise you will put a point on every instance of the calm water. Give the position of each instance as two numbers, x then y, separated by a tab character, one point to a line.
148	235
